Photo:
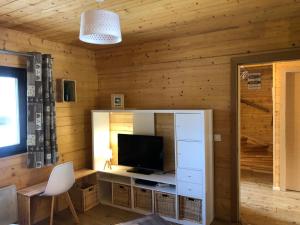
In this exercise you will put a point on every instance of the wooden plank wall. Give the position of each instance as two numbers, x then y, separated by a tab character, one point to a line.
164	126
194	72
256	124
122	123
73	119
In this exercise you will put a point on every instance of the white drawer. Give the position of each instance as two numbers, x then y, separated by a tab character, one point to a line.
192	176
190	155
190	189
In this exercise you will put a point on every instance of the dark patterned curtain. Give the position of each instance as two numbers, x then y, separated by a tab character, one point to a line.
41	127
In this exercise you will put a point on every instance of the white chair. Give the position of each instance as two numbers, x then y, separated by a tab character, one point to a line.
8	205
60	181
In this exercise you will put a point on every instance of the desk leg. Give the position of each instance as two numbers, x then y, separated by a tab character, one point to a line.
24	210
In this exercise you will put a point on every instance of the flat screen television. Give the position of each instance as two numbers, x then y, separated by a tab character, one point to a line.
144	153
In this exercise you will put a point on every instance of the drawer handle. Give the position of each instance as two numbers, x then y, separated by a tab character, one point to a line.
165	195
143	190
191	199
91	189
122	187
189	189
189	176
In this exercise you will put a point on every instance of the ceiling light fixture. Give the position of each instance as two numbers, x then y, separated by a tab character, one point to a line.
99	26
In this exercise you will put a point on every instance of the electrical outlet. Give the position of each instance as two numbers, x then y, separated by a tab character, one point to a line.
217	137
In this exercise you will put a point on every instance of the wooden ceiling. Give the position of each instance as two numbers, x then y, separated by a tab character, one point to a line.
141	20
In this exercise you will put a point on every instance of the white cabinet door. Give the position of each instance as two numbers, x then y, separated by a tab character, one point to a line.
190	155
189	126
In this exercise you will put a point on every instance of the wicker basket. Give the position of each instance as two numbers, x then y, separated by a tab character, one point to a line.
165	204
122	195
190	209
84	196
143	199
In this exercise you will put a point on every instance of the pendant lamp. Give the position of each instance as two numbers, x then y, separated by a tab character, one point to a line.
100	27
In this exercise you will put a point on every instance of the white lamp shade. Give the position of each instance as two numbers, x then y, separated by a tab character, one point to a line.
107	154
100	27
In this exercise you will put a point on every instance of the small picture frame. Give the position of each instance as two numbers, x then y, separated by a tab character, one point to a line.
117	101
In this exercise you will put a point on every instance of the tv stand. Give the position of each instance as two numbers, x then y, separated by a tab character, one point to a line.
140	170
185	197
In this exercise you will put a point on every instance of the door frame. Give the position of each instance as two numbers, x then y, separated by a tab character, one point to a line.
293	54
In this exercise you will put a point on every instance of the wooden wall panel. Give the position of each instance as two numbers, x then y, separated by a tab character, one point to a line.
257	124
73	119
120	123
193	71
164	126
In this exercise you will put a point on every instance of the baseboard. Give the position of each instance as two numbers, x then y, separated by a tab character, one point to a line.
223	222
276	188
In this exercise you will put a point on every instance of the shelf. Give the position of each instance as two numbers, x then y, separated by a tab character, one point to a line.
169	190
189	222
193	149
105	202
105	191
168	178
113	178
141	211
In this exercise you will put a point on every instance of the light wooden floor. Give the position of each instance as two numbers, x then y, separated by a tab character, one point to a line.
100	215
260	205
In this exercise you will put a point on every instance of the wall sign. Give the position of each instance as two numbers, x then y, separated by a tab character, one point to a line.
254	80
117	101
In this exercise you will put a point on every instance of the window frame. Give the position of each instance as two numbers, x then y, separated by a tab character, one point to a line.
20	75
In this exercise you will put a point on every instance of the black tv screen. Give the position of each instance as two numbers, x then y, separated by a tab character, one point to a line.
140	151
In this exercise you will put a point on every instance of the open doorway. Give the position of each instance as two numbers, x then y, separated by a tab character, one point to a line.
269	124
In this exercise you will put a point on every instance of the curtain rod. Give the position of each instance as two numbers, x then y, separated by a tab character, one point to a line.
8	52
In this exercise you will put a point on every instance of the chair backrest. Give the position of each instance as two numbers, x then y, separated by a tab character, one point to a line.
61	179
8	205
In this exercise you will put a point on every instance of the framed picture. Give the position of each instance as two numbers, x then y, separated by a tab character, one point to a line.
117	101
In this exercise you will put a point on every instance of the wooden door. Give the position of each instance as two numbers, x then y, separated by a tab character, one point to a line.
292	131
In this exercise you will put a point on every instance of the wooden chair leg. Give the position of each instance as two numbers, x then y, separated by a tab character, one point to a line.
71	206
52	209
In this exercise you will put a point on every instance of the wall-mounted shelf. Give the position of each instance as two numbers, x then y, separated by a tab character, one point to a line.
66	90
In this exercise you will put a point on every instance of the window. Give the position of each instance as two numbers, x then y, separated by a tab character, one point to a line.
13	111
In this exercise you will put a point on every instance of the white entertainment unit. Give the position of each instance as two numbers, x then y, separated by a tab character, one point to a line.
185	196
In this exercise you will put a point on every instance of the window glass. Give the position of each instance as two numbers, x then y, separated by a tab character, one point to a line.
9	112
13	111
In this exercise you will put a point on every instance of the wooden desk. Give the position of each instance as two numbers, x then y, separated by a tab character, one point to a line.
25	195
